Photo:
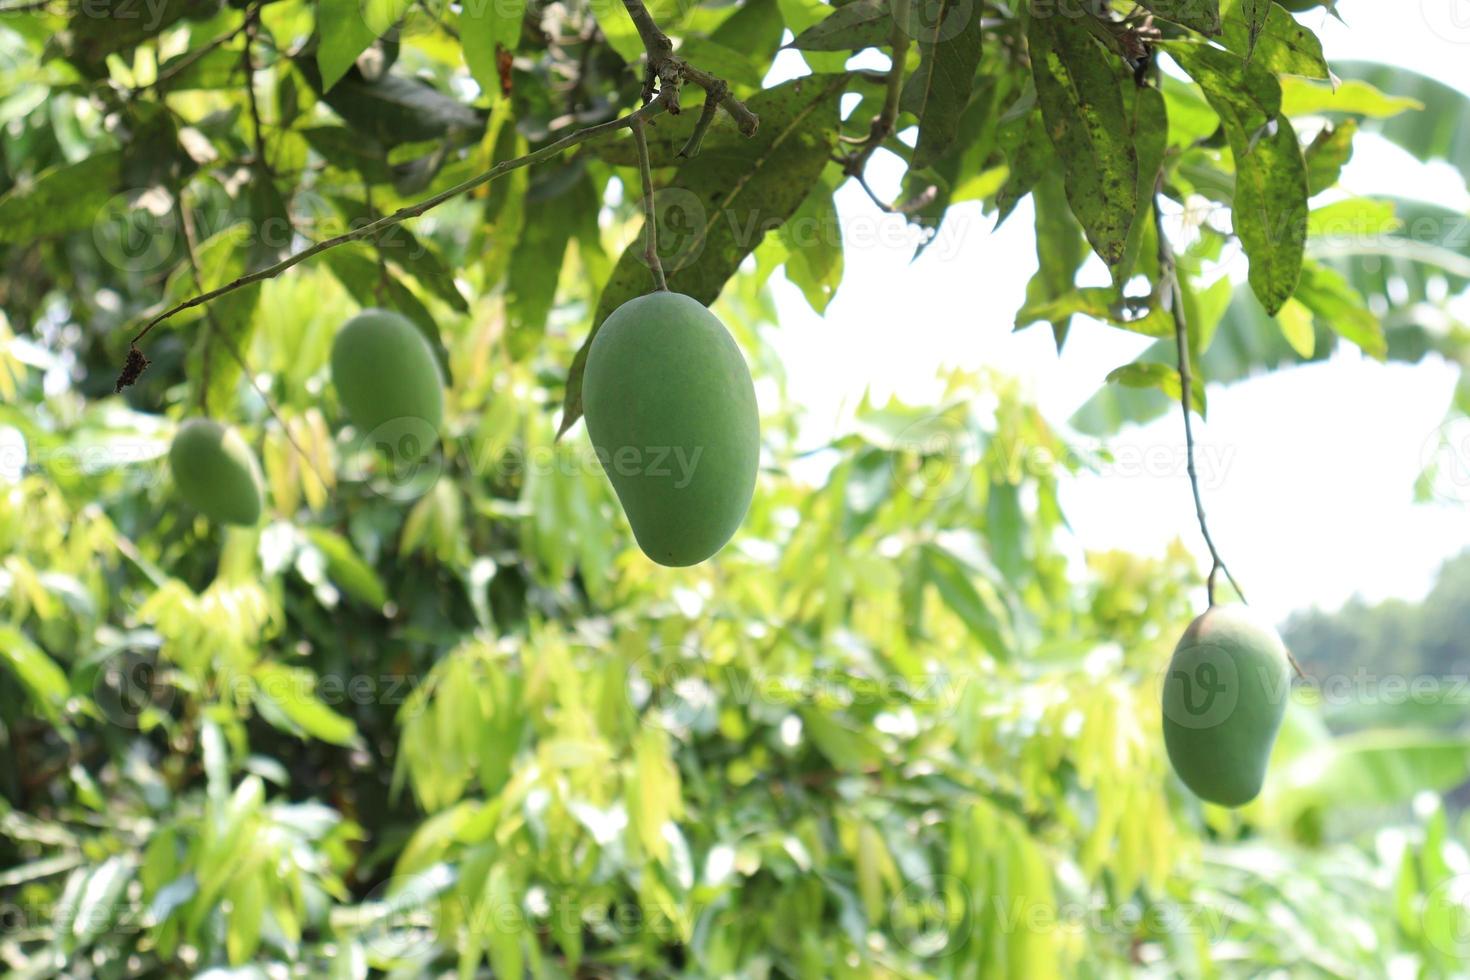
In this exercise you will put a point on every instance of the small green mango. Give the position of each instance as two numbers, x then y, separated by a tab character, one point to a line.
216	472
1225	694
671	412
387	379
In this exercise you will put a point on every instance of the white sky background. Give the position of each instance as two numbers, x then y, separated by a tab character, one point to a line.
1314	500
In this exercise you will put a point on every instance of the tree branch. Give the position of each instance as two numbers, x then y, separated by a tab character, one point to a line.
882	125
136	362
668	70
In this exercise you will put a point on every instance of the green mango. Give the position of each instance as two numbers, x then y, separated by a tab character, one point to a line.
671	412
1225	694
216	472
387	379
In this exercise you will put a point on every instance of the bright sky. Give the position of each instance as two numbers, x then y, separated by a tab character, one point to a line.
1308	473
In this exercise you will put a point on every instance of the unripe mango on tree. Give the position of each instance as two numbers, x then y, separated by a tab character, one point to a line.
671	411
216	472
1225	694
384	372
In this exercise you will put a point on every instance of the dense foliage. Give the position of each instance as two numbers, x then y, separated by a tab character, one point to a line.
443	716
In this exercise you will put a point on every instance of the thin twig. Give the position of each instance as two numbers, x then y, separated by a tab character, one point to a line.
650	222
706	117
195	54
371	229
1169	281
216	333
263	165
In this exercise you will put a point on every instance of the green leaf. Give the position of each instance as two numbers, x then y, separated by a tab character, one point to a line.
247	910
397	109
1270	203
292	691
1060	252
1151	374
399	245
951	579
487	27
38	674
1440	132
345	567
1353	218
1202	15
813	240
857	25
939	89
62	199
721	204
1300	97
343	148
560	208
347	27
1341	308
1077	85
229	320
1296	326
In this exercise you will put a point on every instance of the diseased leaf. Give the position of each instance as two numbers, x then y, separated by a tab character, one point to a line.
1202	15
1078	87
1328	153
1253	14
858	25
1150	134
722	203
1270	202
939	89
1264	32
1028	154
813	240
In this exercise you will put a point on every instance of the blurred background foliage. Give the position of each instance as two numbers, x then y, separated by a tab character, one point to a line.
447	718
